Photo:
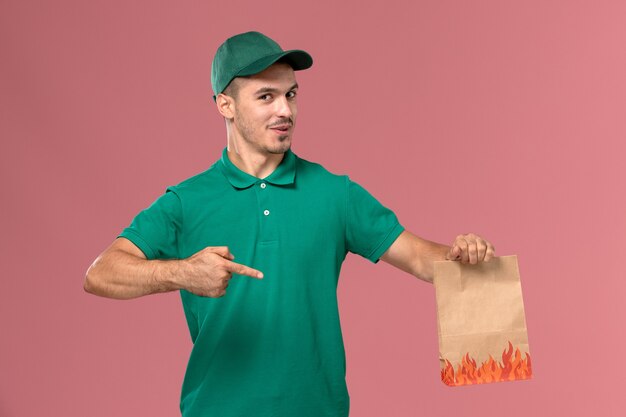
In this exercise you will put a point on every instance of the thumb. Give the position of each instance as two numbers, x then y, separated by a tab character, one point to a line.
223	251
453	253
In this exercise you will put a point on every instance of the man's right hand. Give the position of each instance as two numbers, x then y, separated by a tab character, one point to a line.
122	272
207	272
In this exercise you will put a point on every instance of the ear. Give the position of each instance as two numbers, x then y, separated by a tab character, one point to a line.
225	105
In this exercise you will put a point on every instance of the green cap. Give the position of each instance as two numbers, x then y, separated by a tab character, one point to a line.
248	54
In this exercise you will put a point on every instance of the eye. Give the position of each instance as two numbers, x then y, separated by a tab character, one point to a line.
265	97
291	94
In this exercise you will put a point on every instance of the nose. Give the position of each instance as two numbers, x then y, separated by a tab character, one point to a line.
283	107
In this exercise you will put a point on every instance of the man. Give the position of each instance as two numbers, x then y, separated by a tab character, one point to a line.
255	245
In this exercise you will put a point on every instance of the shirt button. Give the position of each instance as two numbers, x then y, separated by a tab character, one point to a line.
263	185
266	212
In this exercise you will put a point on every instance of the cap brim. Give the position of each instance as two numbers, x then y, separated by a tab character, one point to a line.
298	59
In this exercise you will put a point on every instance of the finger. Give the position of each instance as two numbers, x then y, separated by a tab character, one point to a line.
463	247
229	275
481	248
223	251
217	293
455	253
490	253
243	270
472	252
460	247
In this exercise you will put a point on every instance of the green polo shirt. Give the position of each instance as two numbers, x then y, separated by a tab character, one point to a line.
271	347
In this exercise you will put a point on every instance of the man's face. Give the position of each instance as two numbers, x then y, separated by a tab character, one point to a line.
265	108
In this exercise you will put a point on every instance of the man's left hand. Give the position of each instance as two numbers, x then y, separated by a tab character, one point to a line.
471	248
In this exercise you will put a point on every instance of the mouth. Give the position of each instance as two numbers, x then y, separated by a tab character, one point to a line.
281	129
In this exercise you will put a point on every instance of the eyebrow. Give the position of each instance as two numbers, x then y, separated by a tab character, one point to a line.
273	90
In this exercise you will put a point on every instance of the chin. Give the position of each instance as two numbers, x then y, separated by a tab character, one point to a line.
283	146
279	150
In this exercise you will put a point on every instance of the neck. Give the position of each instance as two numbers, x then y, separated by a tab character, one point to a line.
251	160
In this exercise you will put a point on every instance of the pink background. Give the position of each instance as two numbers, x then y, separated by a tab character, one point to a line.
502	118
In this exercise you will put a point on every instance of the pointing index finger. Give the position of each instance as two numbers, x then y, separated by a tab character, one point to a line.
243	270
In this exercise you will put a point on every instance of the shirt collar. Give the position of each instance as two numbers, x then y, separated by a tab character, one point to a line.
284	173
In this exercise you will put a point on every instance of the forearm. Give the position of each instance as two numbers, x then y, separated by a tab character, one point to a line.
415	255
120	275
428	253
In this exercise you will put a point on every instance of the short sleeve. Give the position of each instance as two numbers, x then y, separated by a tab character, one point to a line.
370	227
155	230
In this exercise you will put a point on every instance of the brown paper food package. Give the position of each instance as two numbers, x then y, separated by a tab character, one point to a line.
480	317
